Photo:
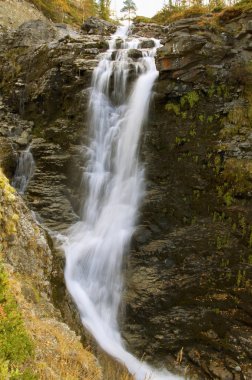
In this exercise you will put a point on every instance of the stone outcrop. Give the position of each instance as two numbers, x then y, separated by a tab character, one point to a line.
188	297
152	30
45	75
94	25
13	13
29	263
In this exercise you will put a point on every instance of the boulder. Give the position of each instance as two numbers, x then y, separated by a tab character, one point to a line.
94	25
249	27
147	44
34	32
7	157
135	54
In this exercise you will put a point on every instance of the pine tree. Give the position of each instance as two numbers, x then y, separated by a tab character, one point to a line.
88	8
129	9
104	9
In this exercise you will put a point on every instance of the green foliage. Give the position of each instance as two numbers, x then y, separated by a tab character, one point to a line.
250	243
104	9
192	132
179	141
191	98
173	107
66	11
228	199
172	12
237	176
143	19
241	278
220	90
16	346
211	91
88	8
222	241
129	8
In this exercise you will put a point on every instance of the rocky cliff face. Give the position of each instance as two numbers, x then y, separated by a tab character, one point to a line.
189	273
188	278
46	73
58	352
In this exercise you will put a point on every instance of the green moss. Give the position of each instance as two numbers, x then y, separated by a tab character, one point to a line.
222	241
210	119
220	90
179	141
184	115
174	107
191	98
241	278
16	347
228	199
237	176
192	132
217	164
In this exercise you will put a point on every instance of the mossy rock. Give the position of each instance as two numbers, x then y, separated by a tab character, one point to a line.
238	174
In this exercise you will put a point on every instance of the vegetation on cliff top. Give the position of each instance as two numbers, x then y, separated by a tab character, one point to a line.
175	10
73	11
76	11
60	10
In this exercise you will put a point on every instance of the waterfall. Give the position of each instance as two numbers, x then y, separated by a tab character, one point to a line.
24	171
119	102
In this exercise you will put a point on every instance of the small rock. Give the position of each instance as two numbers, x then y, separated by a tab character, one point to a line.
147	44
95	25
135	54
249	26
237	368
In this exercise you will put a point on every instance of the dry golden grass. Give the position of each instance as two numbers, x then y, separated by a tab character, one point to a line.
113	370
60	10
59	354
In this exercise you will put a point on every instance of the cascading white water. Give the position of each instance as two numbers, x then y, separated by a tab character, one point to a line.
24	171
95	245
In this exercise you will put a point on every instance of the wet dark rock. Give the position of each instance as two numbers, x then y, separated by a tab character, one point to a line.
95	25
249	26
54	96
8	158
185	284
147	44
135	53
119	43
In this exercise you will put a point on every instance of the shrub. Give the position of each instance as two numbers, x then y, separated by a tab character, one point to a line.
143	19
16	346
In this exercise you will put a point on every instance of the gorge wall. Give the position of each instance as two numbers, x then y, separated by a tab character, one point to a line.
189	272
187	301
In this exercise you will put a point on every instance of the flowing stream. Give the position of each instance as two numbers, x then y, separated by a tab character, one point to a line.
24	171
119	101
